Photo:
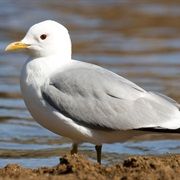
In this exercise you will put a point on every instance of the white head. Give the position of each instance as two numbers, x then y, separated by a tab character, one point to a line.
45	39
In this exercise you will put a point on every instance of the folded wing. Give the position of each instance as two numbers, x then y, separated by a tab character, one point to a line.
99	99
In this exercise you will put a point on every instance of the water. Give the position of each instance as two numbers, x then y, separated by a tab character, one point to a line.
139	40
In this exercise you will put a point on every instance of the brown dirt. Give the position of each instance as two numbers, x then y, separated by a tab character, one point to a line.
74	167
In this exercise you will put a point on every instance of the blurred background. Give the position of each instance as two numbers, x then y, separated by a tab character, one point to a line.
139	40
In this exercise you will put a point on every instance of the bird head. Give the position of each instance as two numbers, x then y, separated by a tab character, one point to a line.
44	39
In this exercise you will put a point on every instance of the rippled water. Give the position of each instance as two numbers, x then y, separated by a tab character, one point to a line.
139	40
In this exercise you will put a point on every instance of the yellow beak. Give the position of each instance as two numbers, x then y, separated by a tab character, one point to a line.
16	46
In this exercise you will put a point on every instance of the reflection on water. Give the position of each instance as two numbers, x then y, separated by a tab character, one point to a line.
140	41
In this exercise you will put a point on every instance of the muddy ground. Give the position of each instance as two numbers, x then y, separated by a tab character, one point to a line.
78	167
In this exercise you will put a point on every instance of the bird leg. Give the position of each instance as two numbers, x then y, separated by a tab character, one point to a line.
98	151
74	149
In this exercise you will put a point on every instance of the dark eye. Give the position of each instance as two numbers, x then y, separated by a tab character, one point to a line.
43	36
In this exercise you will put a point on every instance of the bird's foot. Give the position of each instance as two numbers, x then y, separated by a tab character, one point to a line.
74	149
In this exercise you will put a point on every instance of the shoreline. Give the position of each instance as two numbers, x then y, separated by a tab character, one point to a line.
76	166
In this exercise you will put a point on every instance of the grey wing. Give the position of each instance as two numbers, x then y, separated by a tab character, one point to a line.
99	99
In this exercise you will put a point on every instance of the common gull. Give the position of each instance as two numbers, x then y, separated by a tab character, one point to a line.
82	101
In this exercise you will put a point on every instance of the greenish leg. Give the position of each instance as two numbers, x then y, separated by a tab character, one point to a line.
74	149
98	151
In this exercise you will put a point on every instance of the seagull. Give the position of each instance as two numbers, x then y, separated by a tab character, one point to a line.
83	101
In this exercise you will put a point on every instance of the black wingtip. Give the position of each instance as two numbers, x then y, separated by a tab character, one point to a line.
160	130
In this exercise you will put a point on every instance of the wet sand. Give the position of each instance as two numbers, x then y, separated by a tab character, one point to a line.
78	167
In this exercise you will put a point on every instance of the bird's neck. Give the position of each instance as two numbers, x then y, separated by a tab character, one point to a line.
38	70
